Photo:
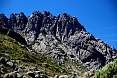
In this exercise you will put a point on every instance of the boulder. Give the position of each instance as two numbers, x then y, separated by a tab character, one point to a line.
31	74
9	63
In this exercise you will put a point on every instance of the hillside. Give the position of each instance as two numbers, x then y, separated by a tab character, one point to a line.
15	57
58	44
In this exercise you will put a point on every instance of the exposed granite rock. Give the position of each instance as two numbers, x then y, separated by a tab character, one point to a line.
4	21
18	22
89	49
60	36
17	71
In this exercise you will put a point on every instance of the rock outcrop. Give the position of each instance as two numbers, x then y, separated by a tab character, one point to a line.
32	72
59	36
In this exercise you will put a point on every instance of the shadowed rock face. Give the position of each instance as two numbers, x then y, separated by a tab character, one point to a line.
63	31
13	35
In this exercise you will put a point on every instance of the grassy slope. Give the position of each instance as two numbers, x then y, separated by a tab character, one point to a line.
16	52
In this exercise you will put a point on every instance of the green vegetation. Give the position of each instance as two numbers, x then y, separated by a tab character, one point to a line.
109	71
82	68
16	52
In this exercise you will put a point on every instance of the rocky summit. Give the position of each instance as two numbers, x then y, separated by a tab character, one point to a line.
58	37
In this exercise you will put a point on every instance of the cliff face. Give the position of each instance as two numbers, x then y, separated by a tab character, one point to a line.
58	36
13	35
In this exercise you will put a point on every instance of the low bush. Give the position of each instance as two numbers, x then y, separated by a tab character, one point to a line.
108	71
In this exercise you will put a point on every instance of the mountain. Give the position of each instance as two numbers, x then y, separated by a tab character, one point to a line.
58	37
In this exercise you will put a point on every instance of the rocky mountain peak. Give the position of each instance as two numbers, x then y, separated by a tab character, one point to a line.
60	36
61	26
18	21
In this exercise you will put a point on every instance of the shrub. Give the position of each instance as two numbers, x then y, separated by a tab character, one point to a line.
109	71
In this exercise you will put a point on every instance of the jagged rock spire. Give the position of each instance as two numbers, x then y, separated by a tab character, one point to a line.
64	31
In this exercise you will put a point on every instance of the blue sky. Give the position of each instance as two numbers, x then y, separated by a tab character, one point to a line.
99	17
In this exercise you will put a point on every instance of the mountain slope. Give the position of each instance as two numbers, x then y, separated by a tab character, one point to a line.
16	57
58	37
